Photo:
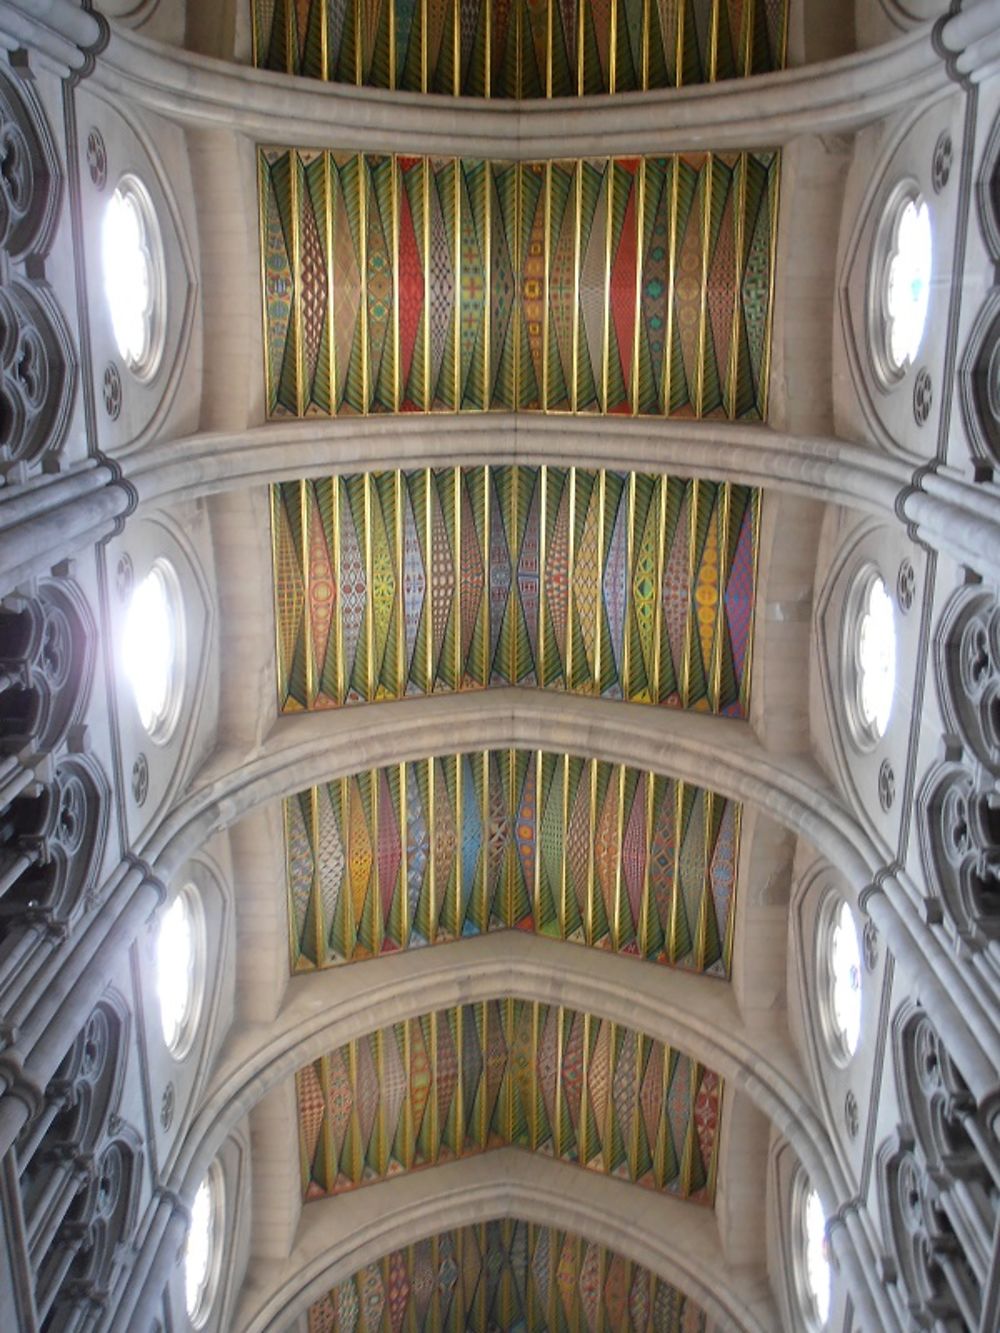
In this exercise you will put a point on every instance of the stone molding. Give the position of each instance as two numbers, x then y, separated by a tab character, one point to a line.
830	97
937	1186
660	1233
68	512
306	749
59	30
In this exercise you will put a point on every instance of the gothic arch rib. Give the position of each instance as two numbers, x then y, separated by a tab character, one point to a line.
692	1014
337	1240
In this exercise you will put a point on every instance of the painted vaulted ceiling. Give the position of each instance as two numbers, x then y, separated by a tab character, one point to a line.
600	854
520	48
627	287
635	286
628	586
509	1073
506	1275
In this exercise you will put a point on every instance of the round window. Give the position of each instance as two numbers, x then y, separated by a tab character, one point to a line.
203	1253
814	1261
180	970
900	290
134	283
840	969
870	645
153	650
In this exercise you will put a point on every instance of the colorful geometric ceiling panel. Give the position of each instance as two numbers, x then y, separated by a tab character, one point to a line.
635	286
506	1275
528	48
574	849
505	1073
625	585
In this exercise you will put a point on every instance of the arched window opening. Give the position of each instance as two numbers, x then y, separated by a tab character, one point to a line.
908	283
870	642
899	289
152	650
843	972
134	284
816	1283
203	1252
180	970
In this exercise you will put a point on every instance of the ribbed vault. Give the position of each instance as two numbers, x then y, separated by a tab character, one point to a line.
510	1073
632	287
626	585
506	1274
340	1237
520	50
607	855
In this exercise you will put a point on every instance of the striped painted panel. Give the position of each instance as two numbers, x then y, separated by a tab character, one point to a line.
508	1073
624	585
574	849
528	48
505	1275
628	286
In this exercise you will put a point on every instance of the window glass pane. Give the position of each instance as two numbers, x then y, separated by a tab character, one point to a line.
175	969
909	283
200	1251
151	650
129	280
845	976
817	1265
877	658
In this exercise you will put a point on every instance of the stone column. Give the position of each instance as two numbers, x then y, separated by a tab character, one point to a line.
59	30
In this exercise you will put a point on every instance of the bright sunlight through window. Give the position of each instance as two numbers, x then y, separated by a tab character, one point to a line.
176	961
845	979
132	262
817	1264
876	659
151	649
909	284
200	1265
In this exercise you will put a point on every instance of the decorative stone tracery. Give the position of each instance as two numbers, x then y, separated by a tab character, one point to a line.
960	799
979	372
939	1184
79	1169
54	798
37	361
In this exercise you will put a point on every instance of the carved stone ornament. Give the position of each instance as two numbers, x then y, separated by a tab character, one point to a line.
38	362
852	1115
937	1192
906	586
112	391
979	368
941	160
30	181
869	944
140	779
167	1102
923	396
36	373
97	158
886	785
124	577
